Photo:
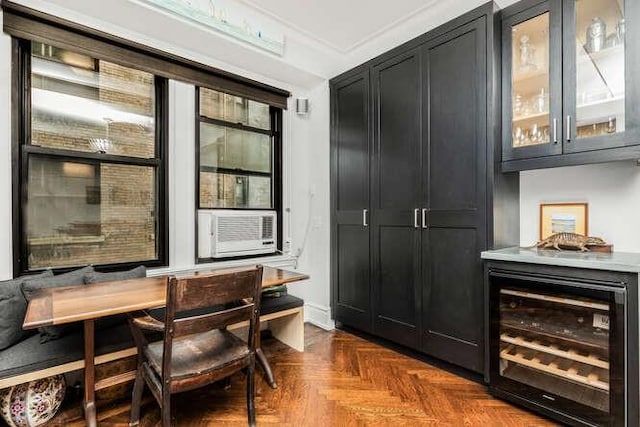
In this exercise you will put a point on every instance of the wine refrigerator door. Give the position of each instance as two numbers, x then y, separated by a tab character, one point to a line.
560	345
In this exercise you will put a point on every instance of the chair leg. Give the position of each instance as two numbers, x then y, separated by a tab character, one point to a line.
138	388
251	408
166	409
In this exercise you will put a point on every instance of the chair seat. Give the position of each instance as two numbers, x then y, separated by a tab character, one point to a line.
198	353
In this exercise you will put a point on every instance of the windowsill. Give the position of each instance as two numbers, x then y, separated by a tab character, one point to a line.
65	240
284	261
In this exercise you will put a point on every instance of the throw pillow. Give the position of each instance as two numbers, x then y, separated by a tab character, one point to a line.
96	277
29	288
13	308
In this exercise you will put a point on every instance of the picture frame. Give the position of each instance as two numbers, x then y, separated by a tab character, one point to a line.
563	217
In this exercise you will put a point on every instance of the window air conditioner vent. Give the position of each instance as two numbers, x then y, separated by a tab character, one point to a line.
267	227
225	233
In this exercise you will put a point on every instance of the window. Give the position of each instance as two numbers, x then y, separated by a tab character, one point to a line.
89	136
91	161
238	152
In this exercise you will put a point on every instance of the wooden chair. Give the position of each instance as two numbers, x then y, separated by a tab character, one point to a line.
197	349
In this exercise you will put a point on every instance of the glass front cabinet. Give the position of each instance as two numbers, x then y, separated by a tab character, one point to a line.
570	85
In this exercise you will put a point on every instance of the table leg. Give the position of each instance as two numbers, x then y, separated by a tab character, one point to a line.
89	374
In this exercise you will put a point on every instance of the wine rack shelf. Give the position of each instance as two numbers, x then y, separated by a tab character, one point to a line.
559	300
571	370
589	396
555	350
550	331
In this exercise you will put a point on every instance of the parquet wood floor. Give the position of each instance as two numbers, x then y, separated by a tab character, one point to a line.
340	380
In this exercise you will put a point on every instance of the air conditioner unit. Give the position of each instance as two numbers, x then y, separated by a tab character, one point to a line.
225	233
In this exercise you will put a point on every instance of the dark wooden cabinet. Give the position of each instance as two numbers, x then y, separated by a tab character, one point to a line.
397	86
350	214
570	95
454	229
435	198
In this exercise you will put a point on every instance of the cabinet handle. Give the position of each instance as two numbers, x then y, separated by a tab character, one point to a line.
424	219
555	131
365	212
415	218
568	128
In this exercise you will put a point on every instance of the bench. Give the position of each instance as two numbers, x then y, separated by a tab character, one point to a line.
30	360
284	316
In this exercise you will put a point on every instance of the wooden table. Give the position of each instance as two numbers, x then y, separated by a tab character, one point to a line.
86	303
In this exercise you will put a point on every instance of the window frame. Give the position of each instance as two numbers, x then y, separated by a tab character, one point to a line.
22	150
275	131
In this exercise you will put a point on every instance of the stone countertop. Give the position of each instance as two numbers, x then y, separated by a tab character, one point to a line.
616	261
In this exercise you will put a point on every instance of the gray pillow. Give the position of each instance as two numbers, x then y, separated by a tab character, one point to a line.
135	273
30	287
95	277
13	308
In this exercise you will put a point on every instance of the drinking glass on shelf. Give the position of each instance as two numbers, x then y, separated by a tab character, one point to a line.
517	105
527	54
534	133
540	102
518	136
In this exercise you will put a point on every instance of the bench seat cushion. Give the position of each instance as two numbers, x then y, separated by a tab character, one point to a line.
285	302
30	355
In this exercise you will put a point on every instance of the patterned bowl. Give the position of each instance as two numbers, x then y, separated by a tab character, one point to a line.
33	403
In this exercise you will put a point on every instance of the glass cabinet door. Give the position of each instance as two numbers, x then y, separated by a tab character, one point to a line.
533	74
530	82
595	40
558	344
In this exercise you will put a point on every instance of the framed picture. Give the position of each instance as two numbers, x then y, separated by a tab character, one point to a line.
563	217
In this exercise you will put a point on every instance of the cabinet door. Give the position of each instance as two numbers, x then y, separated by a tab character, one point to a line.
454	228
350	198
532	82
397	93
600	74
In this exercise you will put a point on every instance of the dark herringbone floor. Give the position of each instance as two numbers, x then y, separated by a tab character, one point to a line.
340	380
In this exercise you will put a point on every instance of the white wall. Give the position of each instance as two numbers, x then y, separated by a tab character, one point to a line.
311	207
6	259
612	191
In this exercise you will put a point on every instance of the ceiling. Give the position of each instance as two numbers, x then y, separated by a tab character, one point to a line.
342	25
323	37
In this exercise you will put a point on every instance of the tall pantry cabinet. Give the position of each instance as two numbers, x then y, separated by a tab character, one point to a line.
415	194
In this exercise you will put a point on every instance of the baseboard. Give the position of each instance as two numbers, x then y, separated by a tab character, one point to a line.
319	316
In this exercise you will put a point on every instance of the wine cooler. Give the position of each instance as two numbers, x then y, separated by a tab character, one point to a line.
558	345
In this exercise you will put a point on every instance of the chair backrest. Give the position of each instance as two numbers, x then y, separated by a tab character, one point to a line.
237	291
